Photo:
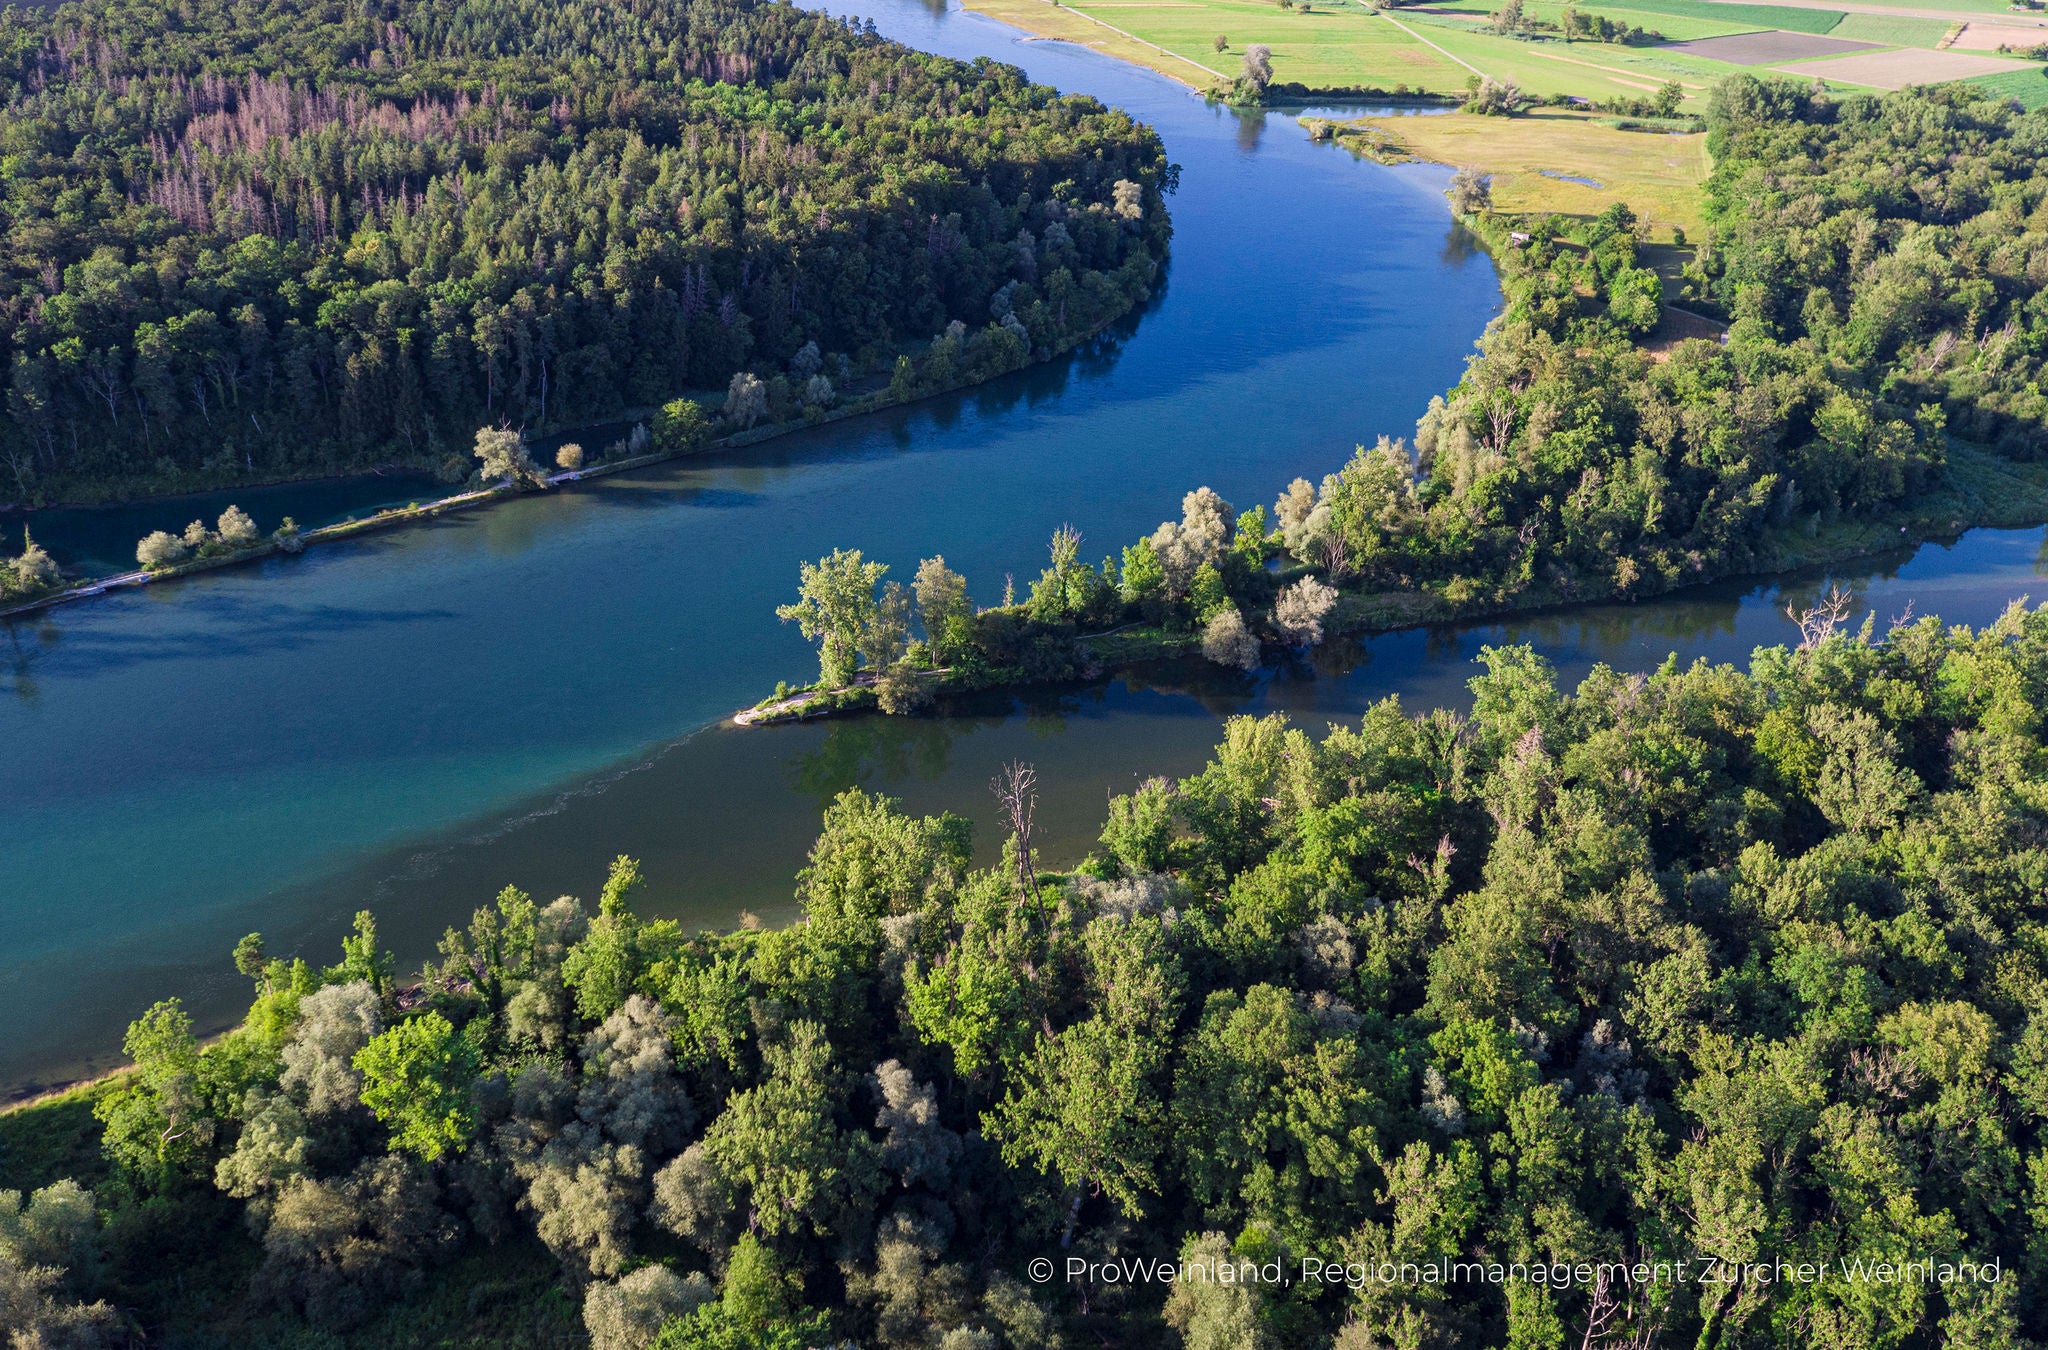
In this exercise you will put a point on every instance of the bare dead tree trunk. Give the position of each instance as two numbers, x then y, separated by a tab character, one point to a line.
1627	1320
1016	789
1818	624
1502	417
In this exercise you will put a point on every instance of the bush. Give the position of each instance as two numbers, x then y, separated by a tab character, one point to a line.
629	1315
161	549
33	571
236	529
681	425
569	457
902	690
1227	642
1298	612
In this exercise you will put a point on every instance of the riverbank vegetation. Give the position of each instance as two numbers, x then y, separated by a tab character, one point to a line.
1877	331
1706	964
251	246
29	574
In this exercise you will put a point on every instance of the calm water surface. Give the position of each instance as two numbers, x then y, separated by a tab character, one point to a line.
412	721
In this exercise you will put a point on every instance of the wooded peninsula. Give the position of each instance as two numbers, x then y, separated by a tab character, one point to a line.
1883	265
246	243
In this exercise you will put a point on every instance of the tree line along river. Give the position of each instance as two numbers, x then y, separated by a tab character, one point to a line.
409	722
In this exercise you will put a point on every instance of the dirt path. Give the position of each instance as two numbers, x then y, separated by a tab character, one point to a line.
768	712
1133	37
1388	15
1614	70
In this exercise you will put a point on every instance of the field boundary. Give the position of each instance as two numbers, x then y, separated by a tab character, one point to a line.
1140	41
1433	47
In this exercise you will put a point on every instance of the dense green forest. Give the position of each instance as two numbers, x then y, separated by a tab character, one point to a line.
254	240
1706	965
1703	1007
1884	262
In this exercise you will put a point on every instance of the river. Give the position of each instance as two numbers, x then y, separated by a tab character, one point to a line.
413	720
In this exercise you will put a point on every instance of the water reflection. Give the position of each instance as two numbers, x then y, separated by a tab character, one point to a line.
1251	129
26	642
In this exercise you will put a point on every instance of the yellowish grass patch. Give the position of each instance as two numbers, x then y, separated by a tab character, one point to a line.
1658	175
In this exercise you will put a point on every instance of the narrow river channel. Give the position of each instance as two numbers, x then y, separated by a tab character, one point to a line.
410	722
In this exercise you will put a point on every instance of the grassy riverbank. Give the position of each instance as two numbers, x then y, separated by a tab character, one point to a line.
1558	160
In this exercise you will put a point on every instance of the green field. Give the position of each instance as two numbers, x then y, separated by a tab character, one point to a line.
1590	69
1675	27
2030	87
1439	47
1749	16
1983	9
1892	31
1658	176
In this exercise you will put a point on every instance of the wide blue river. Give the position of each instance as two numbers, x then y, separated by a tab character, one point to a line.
410	722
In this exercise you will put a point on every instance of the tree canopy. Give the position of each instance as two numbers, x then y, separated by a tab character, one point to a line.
1703	964
266	240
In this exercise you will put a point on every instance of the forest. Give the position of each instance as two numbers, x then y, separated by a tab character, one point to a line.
1647	994
1706	965
1884	266
255	241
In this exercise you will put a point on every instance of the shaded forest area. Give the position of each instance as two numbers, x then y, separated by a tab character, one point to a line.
251	241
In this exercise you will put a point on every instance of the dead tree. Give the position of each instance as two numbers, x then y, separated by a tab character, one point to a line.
1818	624
1016	789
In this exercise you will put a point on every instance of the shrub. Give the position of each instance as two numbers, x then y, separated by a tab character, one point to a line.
1227	642
161	549
629	1315
33	571
1298	611
681	425
237	530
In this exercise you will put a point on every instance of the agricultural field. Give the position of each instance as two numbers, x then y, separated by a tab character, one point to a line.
2029	86
1771	47
1960	8
1675	27
1792	18
1896	30
1989	37
1439	47
1899	68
